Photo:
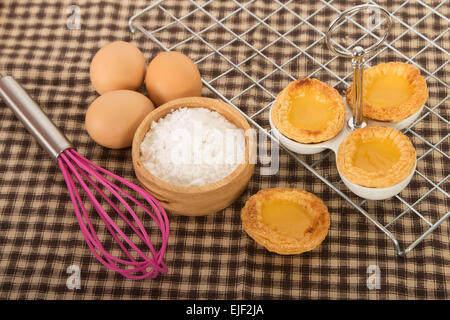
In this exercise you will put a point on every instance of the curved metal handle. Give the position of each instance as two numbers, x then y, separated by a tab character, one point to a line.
334	25
358	59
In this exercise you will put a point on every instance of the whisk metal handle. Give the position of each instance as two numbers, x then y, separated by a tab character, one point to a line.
34	119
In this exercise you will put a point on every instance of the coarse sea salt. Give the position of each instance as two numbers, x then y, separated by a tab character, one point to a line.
192	147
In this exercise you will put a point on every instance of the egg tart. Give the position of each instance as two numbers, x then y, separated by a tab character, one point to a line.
391	92
309	111
286	221
376	157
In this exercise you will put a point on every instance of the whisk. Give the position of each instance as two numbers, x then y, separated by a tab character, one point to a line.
80	172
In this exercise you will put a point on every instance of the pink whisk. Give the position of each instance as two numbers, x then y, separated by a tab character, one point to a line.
80	172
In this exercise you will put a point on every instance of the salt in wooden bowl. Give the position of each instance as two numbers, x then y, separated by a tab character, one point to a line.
195	200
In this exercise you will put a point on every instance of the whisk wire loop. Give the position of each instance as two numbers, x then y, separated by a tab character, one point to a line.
85	172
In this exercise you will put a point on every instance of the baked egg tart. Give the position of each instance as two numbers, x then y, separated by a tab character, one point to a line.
309	111
286	221
391	92
376	157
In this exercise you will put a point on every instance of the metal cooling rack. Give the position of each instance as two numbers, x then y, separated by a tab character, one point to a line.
241	6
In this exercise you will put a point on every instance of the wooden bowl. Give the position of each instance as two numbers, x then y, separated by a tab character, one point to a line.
195	200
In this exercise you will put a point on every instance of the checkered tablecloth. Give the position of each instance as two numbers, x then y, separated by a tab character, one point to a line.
211	256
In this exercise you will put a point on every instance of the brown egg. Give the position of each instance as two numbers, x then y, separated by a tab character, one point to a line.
118	65
112	118
172	75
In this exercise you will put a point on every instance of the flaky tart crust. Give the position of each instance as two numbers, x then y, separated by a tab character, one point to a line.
377	179
394	112
282	107
273	240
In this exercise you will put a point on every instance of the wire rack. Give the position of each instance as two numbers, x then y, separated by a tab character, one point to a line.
183	22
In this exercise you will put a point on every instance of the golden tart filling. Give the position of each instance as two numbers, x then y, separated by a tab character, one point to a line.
391	92
309	111
376	157
286	221
286	217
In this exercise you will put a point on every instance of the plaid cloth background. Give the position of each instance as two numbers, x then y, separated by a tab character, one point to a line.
211	256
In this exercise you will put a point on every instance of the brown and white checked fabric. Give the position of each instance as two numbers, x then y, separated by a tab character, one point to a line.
211	257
